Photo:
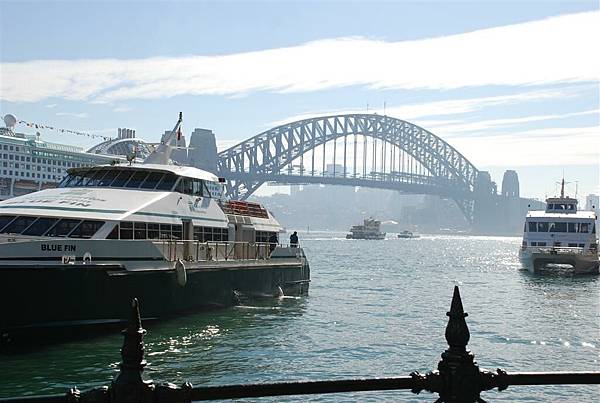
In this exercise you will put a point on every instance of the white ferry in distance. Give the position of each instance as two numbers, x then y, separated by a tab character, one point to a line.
370	229
560	235
76	255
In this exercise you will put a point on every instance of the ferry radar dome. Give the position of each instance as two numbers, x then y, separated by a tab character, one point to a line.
10	121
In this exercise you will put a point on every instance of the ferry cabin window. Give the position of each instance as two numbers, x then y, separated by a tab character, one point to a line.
167	182
583	227
153	231
122	178
542	227
152	180
17	226
126	230
262	236
140	231
190	186
176	231
63	227
86	229
109	177
5	220
558	227
114	234
136	179
95	177
532	226
210	234
40	226
572	227
593	228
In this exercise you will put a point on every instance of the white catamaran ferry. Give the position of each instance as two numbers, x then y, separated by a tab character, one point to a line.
77	254
560	235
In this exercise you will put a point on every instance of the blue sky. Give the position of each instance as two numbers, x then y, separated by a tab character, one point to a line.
512	85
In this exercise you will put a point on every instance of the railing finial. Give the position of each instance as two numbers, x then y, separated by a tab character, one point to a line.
457	331
129	385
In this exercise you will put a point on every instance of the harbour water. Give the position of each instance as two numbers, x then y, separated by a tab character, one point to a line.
375	309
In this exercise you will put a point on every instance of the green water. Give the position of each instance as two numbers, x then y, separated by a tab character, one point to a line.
375	308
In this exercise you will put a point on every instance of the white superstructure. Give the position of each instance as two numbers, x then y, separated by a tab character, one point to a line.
560	235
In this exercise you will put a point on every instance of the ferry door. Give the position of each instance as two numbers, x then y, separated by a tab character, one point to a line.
244	237
188	238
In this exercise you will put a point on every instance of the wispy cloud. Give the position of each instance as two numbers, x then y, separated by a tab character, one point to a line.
486	127
80	115
537	147
559	49
122	109
51	106
445	108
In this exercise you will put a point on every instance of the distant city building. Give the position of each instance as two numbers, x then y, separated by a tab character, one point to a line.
202	152
510	184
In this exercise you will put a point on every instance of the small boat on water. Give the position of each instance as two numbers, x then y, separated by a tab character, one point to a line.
560	235
370	229
407	235
76	255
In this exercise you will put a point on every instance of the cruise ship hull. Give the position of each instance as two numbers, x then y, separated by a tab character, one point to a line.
40	298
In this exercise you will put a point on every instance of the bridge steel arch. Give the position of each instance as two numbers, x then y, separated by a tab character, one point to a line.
262	158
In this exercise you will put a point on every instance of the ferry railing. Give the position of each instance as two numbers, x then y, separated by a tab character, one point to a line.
213	251
458	378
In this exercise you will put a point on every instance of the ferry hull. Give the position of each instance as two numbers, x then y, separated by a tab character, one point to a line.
582	264
37	298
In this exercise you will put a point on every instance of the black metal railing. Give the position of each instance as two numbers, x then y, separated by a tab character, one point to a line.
458	378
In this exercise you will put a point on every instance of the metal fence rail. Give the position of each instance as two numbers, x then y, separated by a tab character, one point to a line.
457	378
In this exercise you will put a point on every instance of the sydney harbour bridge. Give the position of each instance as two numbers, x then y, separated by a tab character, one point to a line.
366	150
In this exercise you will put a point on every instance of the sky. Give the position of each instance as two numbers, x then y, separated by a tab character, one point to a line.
511	85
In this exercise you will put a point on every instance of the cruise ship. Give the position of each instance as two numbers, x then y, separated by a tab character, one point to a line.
560	235
31	164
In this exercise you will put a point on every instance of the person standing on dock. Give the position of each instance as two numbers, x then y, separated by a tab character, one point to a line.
294	240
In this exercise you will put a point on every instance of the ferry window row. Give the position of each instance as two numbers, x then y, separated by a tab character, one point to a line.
127	178
210	234
143	230
136	179
561	206
263	236
49	226
573	227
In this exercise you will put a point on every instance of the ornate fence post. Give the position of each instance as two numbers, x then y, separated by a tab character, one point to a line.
129	385
459	373
458	378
